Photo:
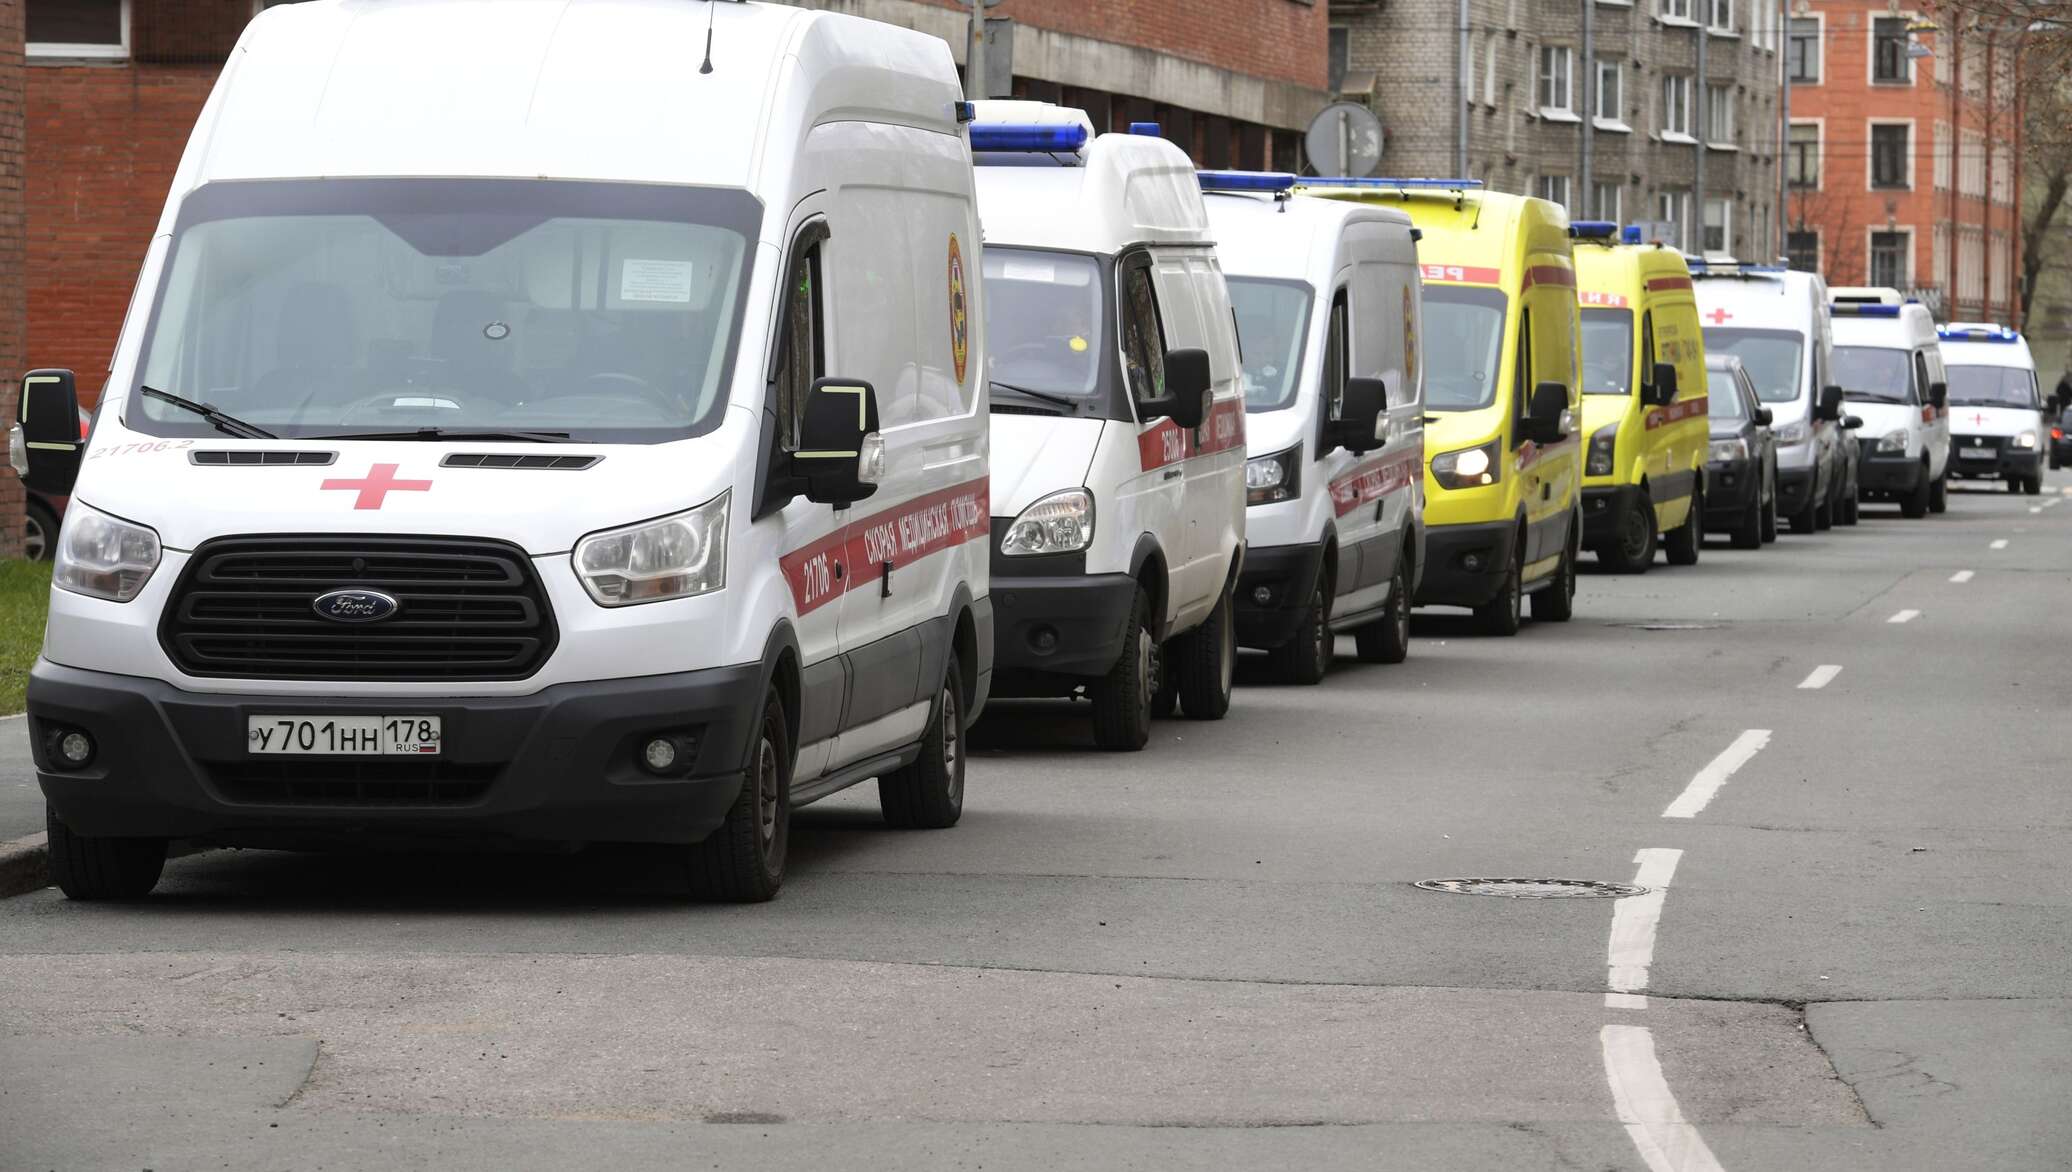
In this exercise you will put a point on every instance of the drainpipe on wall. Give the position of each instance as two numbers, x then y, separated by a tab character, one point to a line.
1589	111
1460	85
1783	241
1700	112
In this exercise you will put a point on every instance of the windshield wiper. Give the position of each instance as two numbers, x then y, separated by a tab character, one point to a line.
1867	397
225	423
434	434
1071	406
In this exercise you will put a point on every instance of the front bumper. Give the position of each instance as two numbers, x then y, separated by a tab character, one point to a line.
1602	508
1897	475
1288	573
1795	489
1448	580
560	766
2006	461
1728	489
1056	627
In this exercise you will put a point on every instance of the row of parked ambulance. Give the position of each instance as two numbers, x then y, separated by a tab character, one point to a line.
551	461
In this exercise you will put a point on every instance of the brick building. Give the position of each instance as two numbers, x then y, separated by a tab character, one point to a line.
1663	111
1905	167
13	298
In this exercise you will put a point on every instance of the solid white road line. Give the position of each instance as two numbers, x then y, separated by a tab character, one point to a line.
1653	1120
1998	543
1905	616
1961	576
1820	677
1634	918
1715	775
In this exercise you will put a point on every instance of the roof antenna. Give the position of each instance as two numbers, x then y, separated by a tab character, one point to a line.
710	5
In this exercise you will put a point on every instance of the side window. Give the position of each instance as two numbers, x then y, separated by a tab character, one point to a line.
1337	356
1647	354
1522	380
1921	379
1143	338
802	353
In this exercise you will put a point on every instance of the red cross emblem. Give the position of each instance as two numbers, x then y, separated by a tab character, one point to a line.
381	481
1718	317
1979	418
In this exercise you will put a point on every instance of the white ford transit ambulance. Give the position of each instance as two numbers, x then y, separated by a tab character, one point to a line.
596	452
1996	411
1328	297
1118	421
1890	368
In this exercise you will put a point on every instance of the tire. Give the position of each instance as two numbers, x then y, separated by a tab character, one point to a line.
1769	522
1684	543
929	794
1915	506
1852	506
1749	534
1939	494
2055	464
1122	698
1388	641
102	868
1165	692
1632	550
1206	666
39	532
2033	486
1306	656
1503	615
2014	485
1824	515
1556	602
743	860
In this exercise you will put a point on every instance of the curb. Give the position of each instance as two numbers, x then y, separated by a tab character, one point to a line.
24	865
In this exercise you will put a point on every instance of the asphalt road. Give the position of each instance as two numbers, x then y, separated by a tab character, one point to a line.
1211	955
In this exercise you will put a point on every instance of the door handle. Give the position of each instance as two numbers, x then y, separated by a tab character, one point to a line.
1172	474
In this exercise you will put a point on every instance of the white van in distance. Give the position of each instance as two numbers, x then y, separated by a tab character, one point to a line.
1996	411
569	464
1328	298
1890	368
1118	421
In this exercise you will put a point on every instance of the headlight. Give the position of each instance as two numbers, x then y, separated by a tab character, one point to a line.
1467	468
1893	441
1273	477
1604	445
1059	523
102	556
1729	451
674	557
2025	440
17	449
1796	432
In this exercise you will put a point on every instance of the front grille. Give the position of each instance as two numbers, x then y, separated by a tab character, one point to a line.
468	609
352	782
242	458
524	462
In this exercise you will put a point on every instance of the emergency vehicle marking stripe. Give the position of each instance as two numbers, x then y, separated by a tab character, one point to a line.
1167	442
855	555
1663	416
1657	284
1462	274
1549	275
1592	297
1372	481
1531	452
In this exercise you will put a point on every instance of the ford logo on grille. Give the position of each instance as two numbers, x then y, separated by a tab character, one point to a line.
355	606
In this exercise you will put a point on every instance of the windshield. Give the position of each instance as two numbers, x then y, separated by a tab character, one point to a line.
1771	358
1043	320
1876	374
1607	351
1272	324
607	312
1991	386
1466	325
1723	399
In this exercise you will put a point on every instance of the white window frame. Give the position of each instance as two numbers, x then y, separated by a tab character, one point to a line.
69	51
1944	165
1723	142
1565	110
1870	274
1819	126
1489	70
1726	226
1819	246
1674	207
1671	132
1713	9
1615	121
1677	12
1545	185
1870	153
1617	213
1870	52
1819	57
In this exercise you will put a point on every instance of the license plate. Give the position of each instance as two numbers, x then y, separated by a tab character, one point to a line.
1977	453
343	736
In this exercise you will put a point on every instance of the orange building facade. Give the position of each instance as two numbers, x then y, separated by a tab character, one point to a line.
1903	154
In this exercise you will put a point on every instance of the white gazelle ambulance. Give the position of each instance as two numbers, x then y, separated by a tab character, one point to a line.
1118	421
1996	412
1327	295
1888	362
596	451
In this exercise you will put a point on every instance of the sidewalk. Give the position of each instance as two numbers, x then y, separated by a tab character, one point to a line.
21	802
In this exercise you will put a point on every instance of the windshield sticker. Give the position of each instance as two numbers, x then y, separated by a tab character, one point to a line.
656	280
960	321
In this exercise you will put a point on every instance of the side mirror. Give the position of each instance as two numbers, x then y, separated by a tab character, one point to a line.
1763	416
840	454
1938	395
1357	428
45	444
1664	384
1186	397
1543	413
1829	408
1852	422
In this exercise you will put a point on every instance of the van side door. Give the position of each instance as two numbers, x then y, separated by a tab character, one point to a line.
1151	497
1215	479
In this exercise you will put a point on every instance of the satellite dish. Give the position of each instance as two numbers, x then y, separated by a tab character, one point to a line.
1344	139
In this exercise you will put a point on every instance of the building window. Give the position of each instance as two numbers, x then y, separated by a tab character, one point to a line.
1942	161
1889	161
1720	15
1802	55
1676	9
1802	165
1489	69
1674	209
1607	202
1889	258
1611	89
1554	189
1889	41
1719	226
77	28
1802	249
1676	106
1341	49
1719	114
1556	73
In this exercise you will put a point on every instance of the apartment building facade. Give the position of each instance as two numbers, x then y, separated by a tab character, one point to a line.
1904	156
1663	112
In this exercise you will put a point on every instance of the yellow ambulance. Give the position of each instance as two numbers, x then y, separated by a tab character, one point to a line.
1644	401
1503	450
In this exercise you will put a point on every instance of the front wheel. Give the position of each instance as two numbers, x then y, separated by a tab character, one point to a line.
1939	494
88	868
929	794
1205	665
2034	484
1306	656
1852	505
1122	698
1388	641
1770	519
1749	533
1504	614
1632	549
1684	543
743	860
1556	602
1915	506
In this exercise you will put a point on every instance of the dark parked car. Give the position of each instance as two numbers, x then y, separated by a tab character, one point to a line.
1741	470
43	514
2061	439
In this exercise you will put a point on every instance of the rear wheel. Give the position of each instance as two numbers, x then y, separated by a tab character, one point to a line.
2014	484
1306	656
743	860
1916	503
1852	504
1939	494
1122	698
929	794
1504	614
1632	549
1206	664
2034	484
87	868
1388	641
1556	602
1769	530
39	532
1684	543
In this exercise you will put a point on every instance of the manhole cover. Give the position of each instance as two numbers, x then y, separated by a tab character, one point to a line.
1534	888
1675	626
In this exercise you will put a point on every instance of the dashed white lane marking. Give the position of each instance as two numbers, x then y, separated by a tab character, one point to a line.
2053	502
1961	576
1820	677
1665	1140
2035	508
1998	543
1905	616
1634	919
1713	776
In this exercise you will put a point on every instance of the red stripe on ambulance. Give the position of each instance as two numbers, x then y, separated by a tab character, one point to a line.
1675	412
1167	442
857	554
1373	481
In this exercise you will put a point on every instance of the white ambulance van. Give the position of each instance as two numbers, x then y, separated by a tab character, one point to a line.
596	452
1118	421
1328	298
1889	364
1996	409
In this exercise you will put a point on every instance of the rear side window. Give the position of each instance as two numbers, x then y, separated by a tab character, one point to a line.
1921	379
1143	337
1337	355
1522	381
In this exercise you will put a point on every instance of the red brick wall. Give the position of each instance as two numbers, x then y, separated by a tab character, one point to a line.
1286	40
12	306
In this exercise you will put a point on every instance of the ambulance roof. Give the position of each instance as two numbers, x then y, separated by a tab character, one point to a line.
1466	228
1879	323
563	89
1985	344
1758	297
1628	271
1101	197
1297	237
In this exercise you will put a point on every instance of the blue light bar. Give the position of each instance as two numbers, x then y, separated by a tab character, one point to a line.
1274	181
1592	230
1631	234
2003	335
1394	184
1006	137
1146	128
1863	309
